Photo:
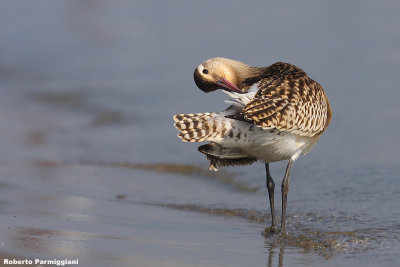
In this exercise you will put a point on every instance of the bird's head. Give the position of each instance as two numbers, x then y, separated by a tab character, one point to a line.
219	73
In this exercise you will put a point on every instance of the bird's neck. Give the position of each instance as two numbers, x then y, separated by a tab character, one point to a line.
241	71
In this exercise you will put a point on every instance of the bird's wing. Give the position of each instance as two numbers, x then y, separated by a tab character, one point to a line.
290	102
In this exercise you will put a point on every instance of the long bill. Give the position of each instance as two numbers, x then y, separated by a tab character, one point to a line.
226	84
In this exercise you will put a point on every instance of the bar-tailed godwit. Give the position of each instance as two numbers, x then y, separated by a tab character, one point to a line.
276	113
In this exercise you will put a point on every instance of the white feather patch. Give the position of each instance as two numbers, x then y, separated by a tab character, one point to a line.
242	99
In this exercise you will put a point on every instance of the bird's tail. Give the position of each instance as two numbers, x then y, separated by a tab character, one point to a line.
215	128
220	156
200	127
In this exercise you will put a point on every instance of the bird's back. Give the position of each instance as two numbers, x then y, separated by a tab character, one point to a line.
288	100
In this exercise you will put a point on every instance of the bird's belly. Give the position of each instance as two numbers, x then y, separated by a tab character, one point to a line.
275	149
270	146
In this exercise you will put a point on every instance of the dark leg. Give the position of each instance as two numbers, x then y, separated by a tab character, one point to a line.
271	187
285	190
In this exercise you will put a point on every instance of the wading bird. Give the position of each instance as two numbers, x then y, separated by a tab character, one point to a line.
276	113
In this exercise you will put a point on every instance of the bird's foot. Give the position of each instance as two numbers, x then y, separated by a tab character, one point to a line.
270	231
282	233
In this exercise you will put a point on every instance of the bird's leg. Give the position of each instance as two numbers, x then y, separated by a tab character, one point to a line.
271	187
285	190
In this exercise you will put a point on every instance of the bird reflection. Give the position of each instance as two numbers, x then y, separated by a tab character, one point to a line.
271	246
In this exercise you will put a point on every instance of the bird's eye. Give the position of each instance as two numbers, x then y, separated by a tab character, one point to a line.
205	71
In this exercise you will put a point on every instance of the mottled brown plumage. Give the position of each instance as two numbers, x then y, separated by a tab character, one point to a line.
288	100
277	113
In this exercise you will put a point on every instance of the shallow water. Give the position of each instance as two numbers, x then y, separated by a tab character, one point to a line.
91	167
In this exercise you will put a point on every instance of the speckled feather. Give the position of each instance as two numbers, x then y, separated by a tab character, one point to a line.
288	100
280	114
277	113
216	162
200	127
